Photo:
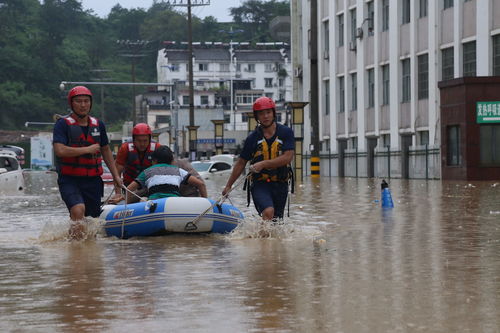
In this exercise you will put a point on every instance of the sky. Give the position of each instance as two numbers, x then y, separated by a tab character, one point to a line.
217	8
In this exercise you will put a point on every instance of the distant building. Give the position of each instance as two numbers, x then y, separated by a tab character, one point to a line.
219	78
379	67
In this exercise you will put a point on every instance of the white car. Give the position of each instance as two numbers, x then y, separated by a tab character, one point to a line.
207	169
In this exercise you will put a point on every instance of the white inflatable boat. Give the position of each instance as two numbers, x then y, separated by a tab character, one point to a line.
169	215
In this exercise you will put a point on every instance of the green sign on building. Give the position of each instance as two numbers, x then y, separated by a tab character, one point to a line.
488	112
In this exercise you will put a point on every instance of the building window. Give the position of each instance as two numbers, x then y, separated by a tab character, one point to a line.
385	15
281	82
371	17
385	85
162	119
423	76
204	100
268	82
270	95
251	68
203	67
340	21
469	50
386	140
423	138
185	100
447	63
327	97
326	40
341	94
238	67
353	25
406	80
227	118
354	92
405	15
489	138
371	87
268	67
423	5
447	4
175	67
453	156
496	55
224	67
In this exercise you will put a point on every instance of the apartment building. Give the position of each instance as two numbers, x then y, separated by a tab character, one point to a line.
228	76
379	63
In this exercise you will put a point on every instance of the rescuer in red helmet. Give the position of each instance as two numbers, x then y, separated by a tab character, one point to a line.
270	150
136	156
80	144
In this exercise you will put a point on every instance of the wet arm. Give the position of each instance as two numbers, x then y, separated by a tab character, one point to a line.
282	160
238	168
107	156
200	184
61	150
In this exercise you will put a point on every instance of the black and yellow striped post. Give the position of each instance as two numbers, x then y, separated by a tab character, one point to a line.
298	130
314	167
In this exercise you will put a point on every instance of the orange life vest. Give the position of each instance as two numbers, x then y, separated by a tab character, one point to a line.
135	165
88	165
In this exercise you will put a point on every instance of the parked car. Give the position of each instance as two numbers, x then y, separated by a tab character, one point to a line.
207	169
11	174
18	150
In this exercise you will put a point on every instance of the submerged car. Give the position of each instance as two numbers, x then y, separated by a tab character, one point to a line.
207	169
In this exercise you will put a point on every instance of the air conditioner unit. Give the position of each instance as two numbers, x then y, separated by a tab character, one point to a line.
352	45
297	72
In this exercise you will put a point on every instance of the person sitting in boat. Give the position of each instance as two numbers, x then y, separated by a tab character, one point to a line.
136	156
163	179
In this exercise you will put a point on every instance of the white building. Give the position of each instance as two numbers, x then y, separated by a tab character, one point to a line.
251	72
379	64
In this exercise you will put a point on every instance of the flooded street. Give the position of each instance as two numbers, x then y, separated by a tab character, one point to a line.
341	263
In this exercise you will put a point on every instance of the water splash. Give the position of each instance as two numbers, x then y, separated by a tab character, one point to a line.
286	229
59	230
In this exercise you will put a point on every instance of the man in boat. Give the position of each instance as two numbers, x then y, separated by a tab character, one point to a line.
80	144
270	148
136	156
163	179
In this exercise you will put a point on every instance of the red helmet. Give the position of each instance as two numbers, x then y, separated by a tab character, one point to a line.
141	129
78	91
263	103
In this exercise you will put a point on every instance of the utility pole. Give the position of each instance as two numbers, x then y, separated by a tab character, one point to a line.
313	103
135	48
192	128
101	78
231	70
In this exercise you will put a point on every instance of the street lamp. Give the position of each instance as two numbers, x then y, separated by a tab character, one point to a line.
219	136
193	140
252	122
231	69
298	130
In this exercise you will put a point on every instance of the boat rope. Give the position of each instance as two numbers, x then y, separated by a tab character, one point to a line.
127	191
191	226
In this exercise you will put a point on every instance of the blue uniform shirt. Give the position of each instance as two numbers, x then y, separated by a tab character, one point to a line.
283	132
